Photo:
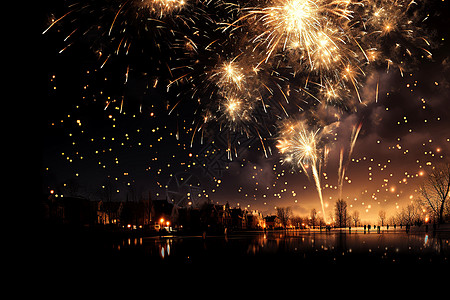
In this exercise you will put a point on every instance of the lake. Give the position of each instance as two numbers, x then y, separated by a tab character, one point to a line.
292	248
240	256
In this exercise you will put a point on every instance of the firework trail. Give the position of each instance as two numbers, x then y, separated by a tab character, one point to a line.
343	168
340	172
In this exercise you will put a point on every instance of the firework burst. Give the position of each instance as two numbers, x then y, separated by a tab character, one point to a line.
391	34
298	24
245	65
303	147
299	145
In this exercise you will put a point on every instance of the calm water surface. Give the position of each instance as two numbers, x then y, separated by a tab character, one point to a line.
291	248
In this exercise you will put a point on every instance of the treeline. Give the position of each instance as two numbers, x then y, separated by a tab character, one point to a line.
433	206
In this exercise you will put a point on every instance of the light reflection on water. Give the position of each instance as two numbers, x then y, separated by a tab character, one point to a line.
389	247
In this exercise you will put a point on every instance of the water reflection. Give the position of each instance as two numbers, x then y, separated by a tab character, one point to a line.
164	248
297	246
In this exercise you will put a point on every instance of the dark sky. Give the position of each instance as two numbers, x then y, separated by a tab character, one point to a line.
110	125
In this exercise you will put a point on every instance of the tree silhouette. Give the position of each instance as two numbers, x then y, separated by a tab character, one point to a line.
382	216
284	214
435	191
340	213
355	218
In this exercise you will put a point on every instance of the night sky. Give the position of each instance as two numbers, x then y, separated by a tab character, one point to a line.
109	118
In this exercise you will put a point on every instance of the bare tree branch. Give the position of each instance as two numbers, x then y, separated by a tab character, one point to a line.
435	191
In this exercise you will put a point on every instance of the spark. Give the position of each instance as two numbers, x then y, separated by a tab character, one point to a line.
56	21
